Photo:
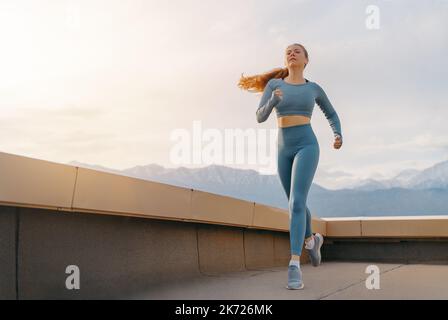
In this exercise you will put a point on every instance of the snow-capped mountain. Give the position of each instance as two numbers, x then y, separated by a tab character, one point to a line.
433	177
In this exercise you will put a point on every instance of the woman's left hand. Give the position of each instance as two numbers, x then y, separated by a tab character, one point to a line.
337	142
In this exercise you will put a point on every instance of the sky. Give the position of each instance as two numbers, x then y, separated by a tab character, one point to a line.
125	83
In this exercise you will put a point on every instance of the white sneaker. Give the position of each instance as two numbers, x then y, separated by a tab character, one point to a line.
314	253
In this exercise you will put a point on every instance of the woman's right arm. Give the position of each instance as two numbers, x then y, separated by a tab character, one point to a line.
267	103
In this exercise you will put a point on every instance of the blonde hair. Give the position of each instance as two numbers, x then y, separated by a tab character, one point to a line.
258	82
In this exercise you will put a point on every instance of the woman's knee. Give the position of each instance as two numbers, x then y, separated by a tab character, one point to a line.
297	205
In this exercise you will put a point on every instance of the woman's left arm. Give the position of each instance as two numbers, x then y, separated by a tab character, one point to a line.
329	112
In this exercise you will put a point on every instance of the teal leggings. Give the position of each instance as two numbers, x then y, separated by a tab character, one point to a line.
298	156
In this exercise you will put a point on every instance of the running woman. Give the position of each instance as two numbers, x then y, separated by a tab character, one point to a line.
293	97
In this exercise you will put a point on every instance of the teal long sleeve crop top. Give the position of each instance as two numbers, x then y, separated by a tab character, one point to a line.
298	99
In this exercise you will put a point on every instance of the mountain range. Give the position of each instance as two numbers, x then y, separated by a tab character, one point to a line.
411	192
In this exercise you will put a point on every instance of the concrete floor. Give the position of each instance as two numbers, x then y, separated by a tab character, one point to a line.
331	280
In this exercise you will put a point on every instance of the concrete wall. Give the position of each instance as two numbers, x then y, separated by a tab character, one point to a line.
7	252
391	250
121	256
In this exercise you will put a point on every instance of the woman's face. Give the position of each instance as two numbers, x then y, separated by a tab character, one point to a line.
295	56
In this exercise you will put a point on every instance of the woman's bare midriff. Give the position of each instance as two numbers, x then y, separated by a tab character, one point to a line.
293	120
